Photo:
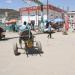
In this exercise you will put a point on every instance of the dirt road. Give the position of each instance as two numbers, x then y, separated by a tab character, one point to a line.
58	57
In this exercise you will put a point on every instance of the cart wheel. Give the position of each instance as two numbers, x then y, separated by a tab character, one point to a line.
38	45
15	48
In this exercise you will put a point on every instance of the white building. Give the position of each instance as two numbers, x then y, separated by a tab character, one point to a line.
71	15
34	13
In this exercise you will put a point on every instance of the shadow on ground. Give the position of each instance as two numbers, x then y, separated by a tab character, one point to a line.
9	38
32	51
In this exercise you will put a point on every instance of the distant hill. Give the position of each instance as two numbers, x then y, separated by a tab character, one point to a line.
11	13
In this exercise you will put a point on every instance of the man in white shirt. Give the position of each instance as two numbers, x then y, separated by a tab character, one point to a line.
23	28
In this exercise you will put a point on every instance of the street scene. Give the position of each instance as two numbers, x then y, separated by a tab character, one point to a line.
37	37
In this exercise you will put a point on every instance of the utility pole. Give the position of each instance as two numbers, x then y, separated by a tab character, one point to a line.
41	5
47	9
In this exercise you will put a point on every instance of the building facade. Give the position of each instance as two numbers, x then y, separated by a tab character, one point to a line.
71	15
34	13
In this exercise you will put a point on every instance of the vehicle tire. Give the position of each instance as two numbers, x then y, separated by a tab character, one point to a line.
4	37
15	48
0	38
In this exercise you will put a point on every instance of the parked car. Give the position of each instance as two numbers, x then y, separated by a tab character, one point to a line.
2	33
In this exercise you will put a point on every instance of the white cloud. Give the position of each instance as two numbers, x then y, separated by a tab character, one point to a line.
8	1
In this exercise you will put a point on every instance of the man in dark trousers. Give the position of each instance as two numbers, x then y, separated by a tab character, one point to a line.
49	30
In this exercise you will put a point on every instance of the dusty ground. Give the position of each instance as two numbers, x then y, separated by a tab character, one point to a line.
58	57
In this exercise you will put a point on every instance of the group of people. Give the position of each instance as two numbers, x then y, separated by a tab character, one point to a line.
27	27
51	27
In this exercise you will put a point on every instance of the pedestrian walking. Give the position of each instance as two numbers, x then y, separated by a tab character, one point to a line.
50	30
64	29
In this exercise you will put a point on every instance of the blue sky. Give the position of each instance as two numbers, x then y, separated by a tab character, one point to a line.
16	4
